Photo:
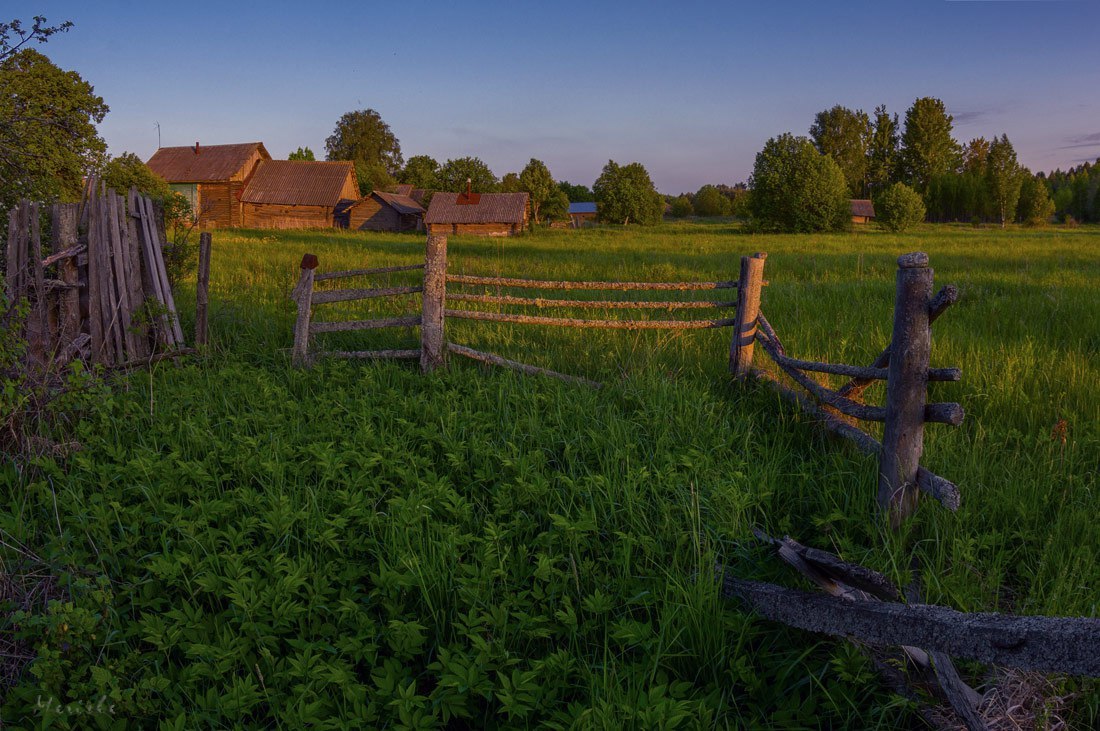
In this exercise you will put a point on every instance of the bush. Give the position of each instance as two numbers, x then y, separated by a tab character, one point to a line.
797	189
681	207
709	201
899	208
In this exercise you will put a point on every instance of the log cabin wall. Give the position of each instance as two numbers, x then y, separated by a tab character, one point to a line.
268	215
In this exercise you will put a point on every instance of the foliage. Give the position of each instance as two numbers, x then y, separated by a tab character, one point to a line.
536	180
577	193
372	176
128	171
363	137
709	201
14	35
1003	177
975	156
48	136
302	153
556	206
797	189
927	148
899	208
454	173
420	171
1076	192
626	193
510	183
1036	207
681	207
845	135
882	151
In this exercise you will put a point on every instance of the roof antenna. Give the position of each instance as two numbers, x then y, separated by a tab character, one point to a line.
158	134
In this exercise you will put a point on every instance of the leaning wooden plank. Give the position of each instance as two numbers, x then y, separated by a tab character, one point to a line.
546	284
571	322
120	266
166	288
151	276
943	490
411	353
95	298
1046	644
366	272
38	334
348	295
132	255
112	324
516	366
592	304
352	325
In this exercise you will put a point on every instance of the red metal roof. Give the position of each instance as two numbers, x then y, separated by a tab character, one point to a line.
492	208
300	183
209	164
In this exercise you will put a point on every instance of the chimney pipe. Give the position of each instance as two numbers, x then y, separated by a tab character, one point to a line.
196	147
469	189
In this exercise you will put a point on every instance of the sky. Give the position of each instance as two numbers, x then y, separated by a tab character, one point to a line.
690	90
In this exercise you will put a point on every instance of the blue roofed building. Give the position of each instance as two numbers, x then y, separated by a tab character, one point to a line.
582	213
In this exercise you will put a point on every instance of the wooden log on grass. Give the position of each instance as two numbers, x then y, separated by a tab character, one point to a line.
530	370
303	295
202	289
748	308
548	284
432	334
906	389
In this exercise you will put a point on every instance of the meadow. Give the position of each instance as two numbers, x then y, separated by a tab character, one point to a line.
250	545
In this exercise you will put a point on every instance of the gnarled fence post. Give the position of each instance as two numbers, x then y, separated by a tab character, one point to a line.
202	290
432	342
906	389
303	295
748	307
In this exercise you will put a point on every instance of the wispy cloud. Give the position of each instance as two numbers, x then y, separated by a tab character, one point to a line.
1090	140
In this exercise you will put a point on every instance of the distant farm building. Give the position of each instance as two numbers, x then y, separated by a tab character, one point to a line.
297	194
210	177
863	211
382	211
582	213
485	214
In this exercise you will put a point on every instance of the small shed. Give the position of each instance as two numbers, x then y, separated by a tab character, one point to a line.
581	213
485	214
210	177
381	211
297	193
863	211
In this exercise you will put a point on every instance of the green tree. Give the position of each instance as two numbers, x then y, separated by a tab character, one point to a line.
927	147
539	184
421	171
302	153
796	188
845	136
1003	178
626	193
372	176
510	183
577	193
1036	206
454	173
14	35
362	136
48	136
556	207
709	201
975	155
899	208
882	152
681	207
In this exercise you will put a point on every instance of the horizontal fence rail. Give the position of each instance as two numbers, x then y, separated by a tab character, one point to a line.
621	286
407	354
353	325
572	322
367	272
349	295
588	304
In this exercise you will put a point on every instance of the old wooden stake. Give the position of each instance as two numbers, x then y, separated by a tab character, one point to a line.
748	307
63	236
432	342
906	389
203	292
303	295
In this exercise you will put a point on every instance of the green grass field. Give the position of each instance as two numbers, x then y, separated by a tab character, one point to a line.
358	545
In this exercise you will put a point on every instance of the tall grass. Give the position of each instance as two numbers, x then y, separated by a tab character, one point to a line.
358	541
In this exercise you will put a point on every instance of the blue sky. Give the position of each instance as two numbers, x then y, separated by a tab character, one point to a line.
691	90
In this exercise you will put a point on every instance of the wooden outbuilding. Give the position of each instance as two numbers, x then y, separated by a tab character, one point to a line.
863	211
381	211
581	213
297	194
484	214
210	177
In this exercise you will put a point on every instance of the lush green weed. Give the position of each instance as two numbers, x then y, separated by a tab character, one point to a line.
250	545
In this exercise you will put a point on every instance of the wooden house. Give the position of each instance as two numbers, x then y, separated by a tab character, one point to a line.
581	213
484	214
381	211
297	194
211	177
863	211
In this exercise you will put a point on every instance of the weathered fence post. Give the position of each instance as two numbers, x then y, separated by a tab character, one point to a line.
303	295
748	307
63	237
432	342
202	293
906	389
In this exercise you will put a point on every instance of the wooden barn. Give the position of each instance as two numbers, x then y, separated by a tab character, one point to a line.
211	177
381	211
297	194
581	213
478	214
863	211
